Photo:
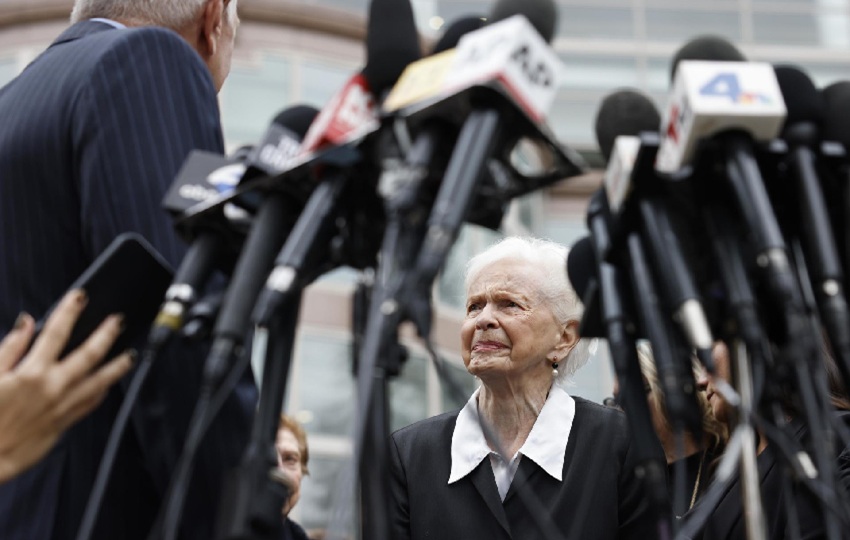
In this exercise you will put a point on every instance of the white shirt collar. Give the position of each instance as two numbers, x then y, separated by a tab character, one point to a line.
545	445
110	22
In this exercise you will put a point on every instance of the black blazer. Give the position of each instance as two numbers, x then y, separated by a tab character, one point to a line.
93	133
599	498
727	519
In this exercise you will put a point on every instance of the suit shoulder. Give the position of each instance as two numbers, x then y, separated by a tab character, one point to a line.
596	416
428	428
591	407
160	45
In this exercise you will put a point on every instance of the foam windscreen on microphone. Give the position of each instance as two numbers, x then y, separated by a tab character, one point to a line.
581	265
456	30
392	42
706	48
624	112
542	14
297	118
802	99
836	118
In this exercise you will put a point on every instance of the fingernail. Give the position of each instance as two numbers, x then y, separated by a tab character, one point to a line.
119	319
80	297
19	322
133	354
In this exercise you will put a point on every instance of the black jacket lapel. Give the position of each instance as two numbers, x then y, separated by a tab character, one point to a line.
484	481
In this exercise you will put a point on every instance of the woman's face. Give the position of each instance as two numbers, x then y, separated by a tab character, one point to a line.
289	461
719	407
510	330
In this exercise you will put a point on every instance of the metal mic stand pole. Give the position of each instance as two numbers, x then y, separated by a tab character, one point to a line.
753	510
256	491
381	357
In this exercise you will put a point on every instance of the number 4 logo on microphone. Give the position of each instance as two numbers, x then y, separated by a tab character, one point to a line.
728	85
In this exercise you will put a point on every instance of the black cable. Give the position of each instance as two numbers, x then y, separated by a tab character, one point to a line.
112	444
208	405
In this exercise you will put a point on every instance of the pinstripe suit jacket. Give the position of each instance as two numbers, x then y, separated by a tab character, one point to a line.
600	498
91	135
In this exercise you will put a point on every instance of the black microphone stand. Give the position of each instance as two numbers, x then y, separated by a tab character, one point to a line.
620	331
256	491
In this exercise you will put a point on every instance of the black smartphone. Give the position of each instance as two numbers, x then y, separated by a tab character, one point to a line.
129	277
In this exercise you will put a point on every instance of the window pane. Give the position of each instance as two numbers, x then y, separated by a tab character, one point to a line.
8	70
252	96
680	25
325	363
408	396
786	28
598	72
451	10
355	6
320	81
572	120
595	22
462	381
320	491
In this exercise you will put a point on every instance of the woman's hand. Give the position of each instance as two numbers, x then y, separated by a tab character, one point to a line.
41	395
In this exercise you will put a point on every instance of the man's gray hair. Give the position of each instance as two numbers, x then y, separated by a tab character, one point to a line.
173	14
551	259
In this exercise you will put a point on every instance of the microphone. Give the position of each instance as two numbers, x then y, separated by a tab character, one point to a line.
456	30
205	177
836	127
586	269
542	14
509	56
622	113
706	47
281	143
733	105
642	197
801	133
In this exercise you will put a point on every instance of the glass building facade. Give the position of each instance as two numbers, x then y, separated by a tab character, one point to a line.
280	60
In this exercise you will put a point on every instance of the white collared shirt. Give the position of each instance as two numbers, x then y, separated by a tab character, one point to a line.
110	22
545	445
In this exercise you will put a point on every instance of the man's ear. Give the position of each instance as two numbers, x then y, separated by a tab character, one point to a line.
569	338
211	26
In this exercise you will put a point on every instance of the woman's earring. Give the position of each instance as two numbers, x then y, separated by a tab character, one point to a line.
555	370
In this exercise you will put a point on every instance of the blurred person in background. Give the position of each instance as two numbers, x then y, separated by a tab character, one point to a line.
698	454
292	458
727	519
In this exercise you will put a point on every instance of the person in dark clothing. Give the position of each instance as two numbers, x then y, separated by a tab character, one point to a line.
727	519
523	459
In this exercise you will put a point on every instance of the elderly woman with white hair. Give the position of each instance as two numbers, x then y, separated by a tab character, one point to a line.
522	459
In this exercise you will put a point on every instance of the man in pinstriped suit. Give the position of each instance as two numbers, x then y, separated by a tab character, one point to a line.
91	135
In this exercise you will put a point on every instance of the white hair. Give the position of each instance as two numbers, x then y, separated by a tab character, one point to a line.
550	259
173	14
